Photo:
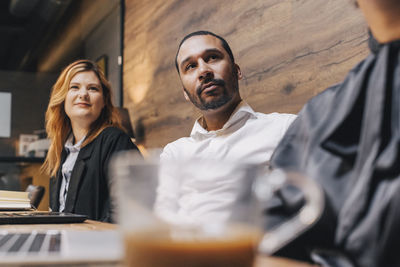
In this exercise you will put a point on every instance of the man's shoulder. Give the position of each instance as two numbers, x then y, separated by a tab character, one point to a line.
179	142
275	117
267	116
176	147
271	124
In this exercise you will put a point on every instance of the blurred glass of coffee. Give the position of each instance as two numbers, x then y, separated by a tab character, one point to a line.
193	212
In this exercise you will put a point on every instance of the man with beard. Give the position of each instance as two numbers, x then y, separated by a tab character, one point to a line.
228	130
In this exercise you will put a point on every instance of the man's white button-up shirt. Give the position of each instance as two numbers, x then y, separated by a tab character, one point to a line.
247	137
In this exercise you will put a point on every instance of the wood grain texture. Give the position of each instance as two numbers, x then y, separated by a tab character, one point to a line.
288	51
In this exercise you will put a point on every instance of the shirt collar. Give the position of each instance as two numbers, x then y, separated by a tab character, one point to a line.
71	147
241	111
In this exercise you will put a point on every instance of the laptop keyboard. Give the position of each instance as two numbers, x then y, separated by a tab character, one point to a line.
30	242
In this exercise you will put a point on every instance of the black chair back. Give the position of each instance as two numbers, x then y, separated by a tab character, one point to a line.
36	193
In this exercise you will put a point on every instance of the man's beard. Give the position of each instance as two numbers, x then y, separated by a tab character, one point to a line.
215	103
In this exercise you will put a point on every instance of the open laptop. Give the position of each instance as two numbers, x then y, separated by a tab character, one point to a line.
60	247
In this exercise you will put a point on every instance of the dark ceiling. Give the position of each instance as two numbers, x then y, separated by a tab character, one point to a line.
25	28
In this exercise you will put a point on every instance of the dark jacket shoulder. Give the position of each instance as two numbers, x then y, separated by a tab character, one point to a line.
114	139
113	132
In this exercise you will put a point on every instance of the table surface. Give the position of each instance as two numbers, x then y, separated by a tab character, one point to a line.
262	261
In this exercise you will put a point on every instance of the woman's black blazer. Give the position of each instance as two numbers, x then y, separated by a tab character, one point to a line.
89	187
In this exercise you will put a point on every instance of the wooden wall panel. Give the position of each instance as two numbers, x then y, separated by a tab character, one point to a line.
288	50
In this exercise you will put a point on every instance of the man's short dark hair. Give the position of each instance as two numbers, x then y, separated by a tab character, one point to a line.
224	43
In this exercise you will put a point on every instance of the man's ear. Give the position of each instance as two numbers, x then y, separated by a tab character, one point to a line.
238	72
186	95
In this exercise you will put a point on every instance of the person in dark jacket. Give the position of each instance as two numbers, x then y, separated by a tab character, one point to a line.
85	131
348	139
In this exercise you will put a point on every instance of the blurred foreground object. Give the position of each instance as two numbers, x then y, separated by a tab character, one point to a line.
207	227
